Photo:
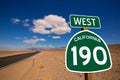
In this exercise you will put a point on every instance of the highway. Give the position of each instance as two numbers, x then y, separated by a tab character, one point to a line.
4	61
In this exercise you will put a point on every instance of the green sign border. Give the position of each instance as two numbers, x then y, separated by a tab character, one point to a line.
93	67
81	26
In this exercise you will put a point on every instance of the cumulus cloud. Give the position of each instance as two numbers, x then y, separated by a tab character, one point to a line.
15	20
56	37
51	24
33	41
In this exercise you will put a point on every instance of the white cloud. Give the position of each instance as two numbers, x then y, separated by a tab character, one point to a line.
25	37
33	41
34	36
41	39
15	20
25	22
51	24
56	37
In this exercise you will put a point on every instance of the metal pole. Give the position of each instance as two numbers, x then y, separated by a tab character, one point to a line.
87	76
33	61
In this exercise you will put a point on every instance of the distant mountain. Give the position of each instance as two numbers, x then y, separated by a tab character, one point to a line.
115	46
46	48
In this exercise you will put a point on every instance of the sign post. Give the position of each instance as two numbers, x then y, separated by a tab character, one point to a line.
86	49
87	76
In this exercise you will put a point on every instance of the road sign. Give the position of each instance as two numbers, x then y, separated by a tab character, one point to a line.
87	52
81	21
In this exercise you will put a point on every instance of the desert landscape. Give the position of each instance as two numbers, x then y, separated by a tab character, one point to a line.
4	53
50	65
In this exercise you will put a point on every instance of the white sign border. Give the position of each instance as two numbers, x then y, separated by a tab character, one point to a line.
87	71
83	27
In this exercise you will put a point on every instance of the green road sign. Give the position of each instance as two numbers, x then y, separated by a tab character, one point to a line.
87	52
81	21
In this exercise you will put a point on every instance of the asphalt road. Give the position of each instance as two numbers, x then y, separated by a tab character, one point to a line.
4	61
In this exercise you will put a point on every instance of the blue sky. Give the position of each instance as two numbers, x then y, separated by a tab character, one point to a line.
19	21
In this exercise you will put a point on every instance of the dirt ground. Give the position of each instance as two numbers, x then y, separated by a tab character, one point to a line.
114	72
47	65
50	65
4	53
